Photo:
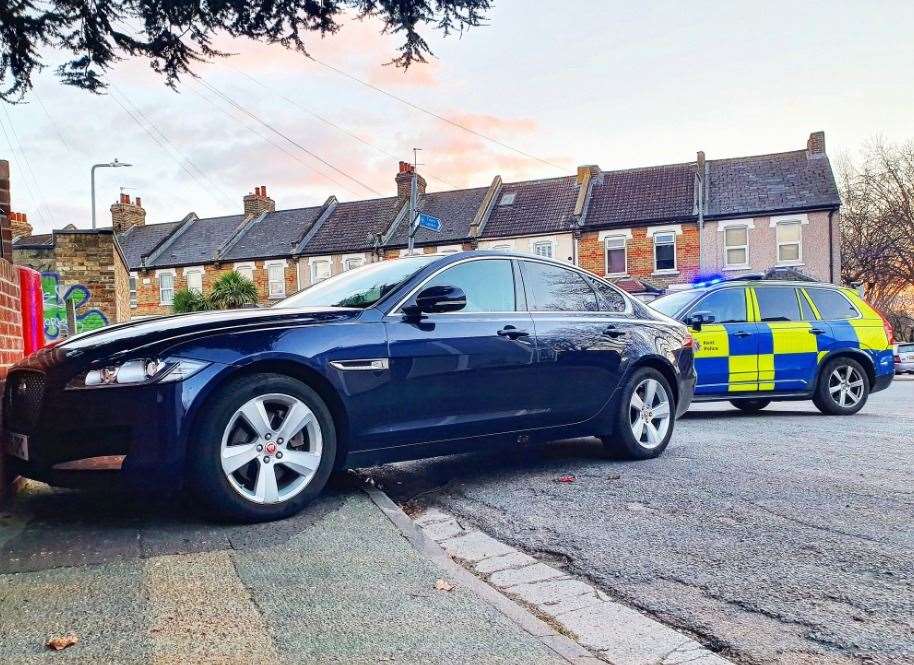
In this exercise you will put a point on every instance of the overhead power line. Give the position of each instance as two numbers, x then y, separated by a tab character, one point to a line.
39	199
437	116
289	139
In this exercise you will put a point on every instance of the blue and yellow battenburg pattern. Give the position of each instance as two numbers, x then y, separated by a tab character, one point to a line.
779	356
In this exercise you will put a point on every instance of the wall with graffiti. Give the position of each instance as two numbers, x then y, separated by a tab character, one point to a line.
56	296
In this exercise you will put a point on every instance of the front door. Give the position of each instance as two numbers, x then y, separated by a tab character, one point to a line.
726	351
464	373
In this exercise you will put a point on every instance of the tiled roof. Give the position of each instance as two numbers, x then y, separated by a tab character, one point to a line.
274	235
455	209
539	206
642	194
198	243
768	183
139	240
348	228
37	240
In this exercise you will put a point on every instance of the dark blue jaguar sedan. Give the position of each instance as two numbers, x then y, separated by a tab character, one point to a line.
252	410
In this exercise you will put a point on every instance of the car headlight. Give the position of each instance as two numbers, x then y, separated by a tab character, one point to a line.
137	372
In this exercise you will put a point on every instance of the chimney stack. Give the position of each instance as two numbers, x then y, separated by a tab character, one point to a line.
257	202
815	145
19	223
125	214
404	178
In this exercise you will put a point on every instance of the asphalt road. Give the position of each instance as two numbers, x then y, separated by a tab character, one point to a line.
783	537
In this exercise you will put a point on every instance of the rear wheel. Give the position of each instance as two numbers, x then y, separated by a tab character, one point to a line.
264	449
843	387
644	418
750	405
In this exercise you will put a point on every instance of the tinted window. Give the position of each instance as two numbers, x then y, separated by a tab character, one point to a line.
672	303
727	306
552	288
778	303
805	309
905	348
488	284
613	301
832	304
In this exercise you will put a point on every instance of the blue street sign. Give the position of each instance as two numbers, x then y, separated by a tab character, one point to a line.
429	222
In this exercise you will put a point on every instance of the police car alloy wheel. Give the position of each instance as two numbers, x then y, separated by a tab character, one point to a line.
645	417
265	448
843	387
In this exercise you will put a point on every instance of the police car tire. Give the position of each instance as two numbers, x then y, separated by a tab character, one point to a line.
208	484
750	405
823	399
622	443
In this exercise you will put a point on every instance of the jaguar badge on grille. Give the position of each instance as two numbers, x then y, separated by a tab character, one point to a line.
22	388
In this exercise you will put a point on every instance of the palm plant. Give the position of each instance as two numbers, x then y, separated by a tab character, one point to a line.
187	300
233	291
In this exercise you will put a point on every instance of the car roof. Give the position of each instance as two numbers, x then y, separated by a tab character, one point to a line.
764	282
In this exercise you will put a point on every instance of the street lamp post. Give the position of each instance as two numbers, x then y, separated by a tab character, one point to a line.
115	164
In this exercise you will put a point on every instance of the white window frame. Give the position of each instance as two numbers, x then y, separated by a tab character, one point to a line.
281	291
781	222
502	248
133	288
346	258
615	238
314	262
193	270
543	242
163	273
666	271
736	224
246	269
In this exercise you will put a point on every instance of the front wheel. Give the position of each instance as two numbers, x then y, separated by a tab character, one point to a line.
644	417
264	449
843	387
750	405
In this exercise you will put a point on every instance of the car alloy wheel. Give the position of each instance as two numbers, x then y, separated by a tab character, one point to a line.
845	385
271	448
649	413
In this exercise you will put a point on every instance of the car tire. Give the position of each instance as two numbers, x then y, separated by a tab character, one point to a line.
750	405
225	432
838	382
636	440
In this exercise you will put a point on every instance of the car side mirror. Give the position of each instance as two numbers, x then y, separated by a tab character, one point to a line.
438	299
697	319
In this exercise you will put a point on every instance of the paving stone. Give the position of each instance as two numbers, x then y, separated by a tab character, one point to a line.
528	575
443	530
550	591
475	546
430	516
571	604
513	559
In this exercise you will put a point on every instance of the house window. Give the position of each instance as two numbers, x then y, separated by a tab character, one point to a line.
276	280
320	270
736	247
353	262
502	248
507	199
133	298
665	252
194	281
245	269
166	288
616	255
789	238
544	248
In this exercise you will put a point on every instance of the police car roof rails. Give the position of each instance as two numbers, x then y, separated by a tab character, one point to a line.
755	276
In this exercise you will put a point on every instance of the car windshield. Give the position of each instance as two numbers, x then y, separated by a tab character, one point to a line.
360	287
674	302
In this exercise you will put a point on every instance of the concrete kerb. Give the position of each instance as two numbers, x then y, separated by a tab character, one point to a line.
563	646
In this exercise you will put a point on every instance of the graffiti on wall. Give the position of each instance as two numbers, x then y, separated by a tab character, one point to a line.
56	297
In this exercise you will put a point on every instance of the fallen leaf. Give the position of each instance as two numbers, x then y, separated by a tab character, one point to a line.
443	585
62	642
567	478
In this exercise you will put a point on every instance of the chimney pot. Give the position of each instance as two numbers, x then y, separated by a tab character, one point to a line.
815	144
263	190
138	202
404	181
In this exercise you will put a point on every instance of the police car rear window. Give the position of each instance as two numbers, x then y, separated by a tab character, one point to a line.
832	304
778	303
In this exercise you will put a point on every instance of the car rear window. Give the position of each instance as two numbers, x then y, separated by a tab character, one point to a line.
832	304
905	348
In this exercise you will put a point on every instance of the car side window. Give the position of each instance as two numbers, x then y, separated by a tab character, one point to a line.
556	289
805	309
613	301
832	304
727	305
778	303
487	283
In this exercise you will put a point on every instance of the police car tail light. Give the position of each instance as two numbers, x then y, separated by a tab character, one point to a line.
687	341
889	332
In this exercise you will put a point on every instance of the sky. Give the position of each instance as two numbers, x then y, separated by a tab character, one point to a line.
618	84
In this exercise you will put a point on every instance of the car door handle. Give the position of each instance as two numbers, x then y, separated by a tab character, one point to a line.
612	331
742	333
512	333
816	331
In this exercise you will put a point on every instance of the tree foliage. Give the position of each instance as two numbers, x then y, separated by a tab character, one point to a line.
187	300
877	223
176	35
233	291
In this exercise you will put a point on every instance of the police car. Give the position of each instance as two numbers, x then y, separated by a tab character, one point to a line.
759	340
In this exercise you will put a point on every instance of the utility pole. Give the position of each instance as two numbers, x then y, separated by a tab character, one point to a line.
413	187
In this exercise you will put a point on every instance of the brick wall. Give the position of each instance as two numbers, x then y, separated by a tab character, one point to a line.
640	248
10	335
92	260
